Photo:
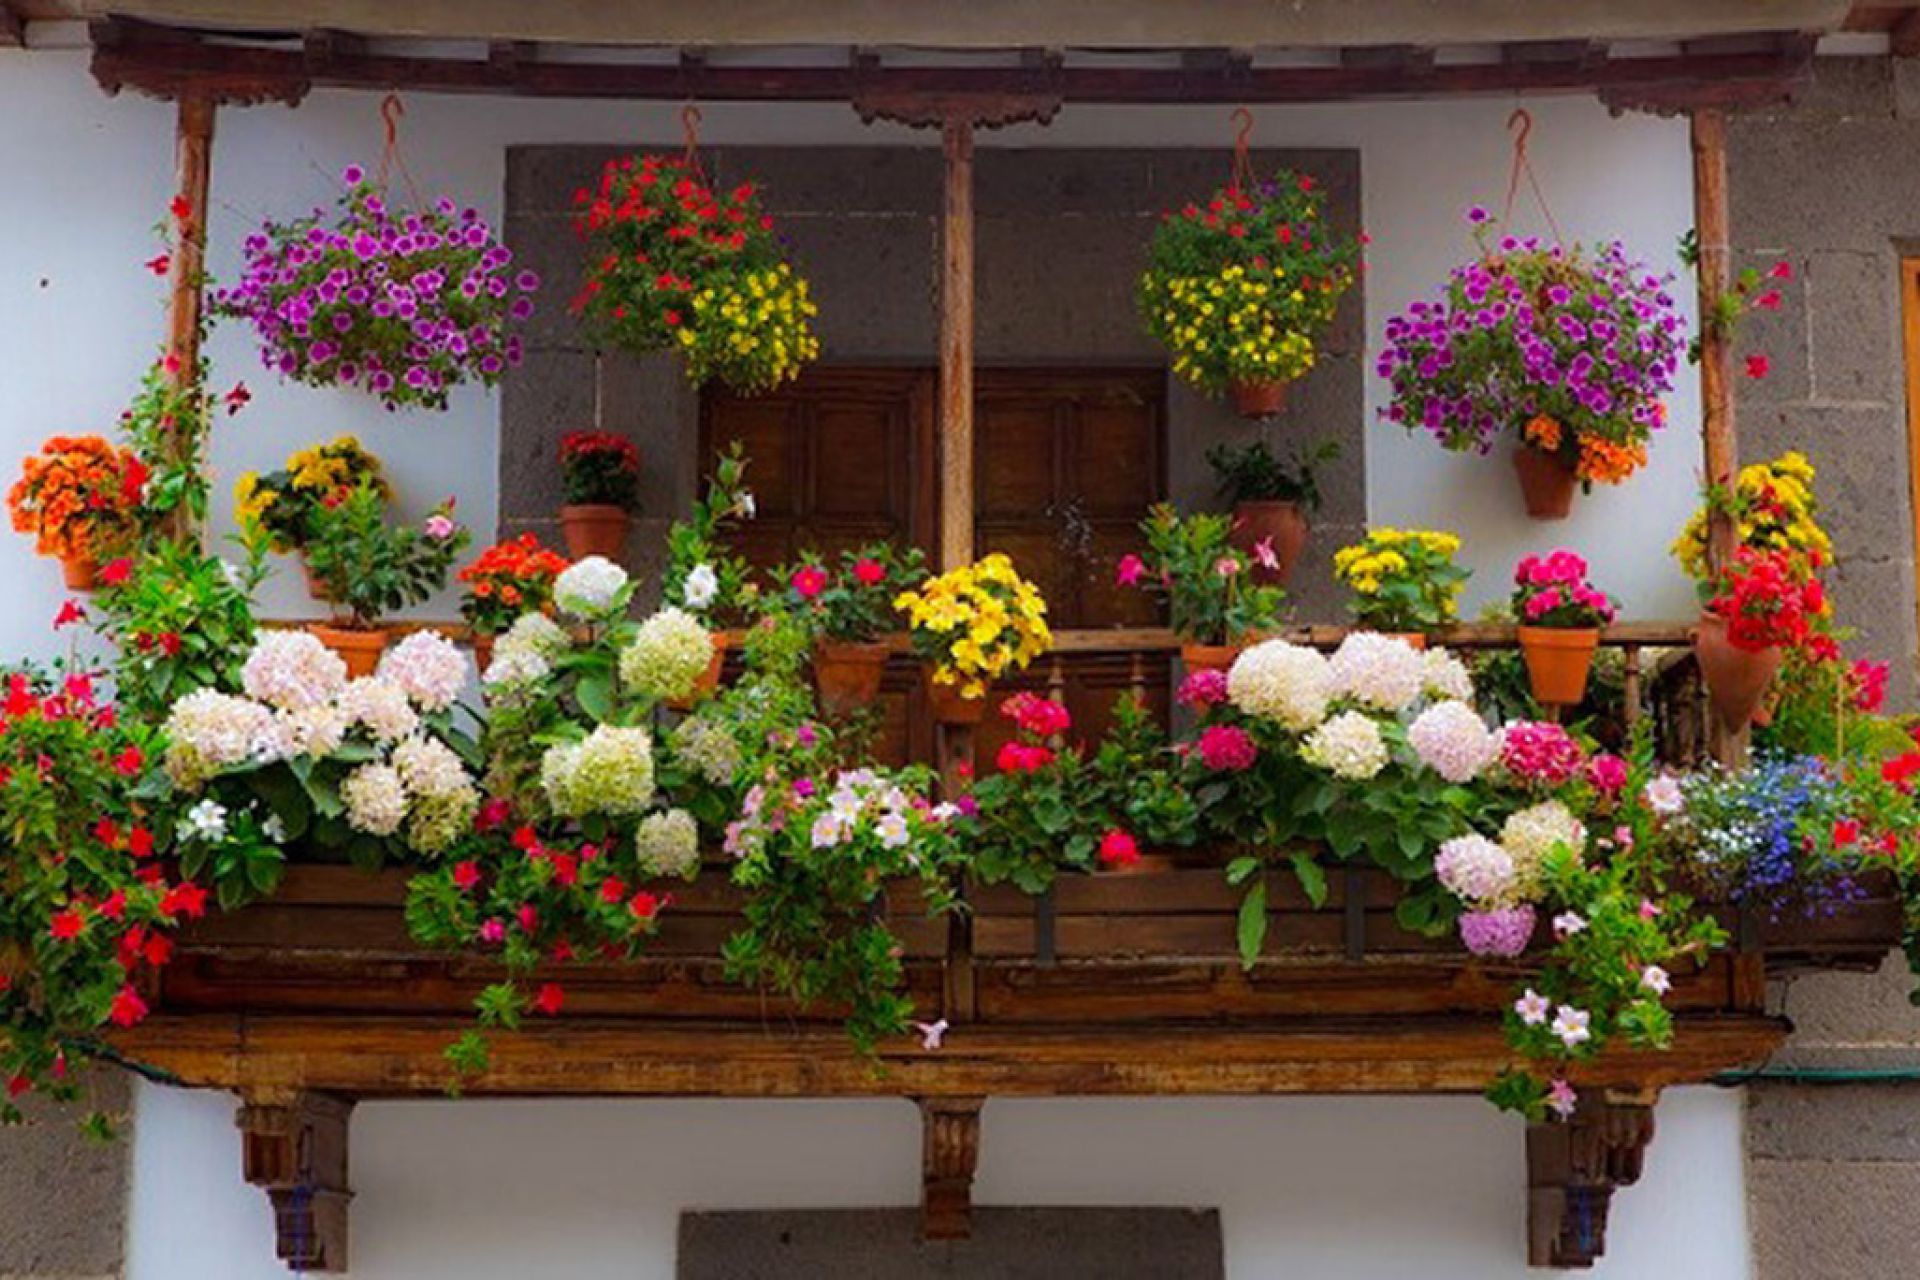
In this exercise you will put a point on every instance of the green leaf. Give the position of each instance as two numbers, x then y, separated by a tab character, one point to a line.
1252	930
595	694
1313	881
1240	868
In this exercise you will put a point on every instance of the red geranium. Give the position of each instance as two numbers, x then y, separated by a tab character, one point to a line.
1767	598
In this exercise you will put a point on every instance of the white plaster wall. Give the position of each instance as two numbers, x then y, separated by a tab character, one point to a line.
1308	1188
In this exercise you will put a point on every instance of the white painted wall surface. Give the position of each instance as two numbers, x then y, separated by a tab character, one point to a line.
1308	1188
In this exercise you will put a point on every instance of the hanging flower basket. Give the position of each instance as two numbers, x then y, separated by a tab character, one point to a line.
1242	288
1569	349
675	265
404	304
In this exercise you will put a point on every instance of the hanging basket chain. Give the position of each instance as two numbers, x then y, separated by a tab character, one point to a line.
391	111
690	127
1523	166
1242	166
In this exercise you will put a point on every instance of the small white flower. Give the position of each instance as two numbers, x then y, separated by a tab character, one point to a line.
892	829
701	586
1568	923
945	811
207	820
931	1034
1664	795
1656	980
826	831
1570	1024
745	505
586	588
274	829
1533	1007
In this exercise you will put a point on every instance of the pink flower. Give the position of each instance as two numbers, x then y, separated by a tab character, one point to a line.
1870	685
1022	757
1264	556
1203	689
1607	773
1782	270
809	581
1227	748
439	526
1042	717
932	1034
1127	572
1227	566
869	573
1758	366
1649	909
1561	1098
1118	849
1539	751
1502	933
493	931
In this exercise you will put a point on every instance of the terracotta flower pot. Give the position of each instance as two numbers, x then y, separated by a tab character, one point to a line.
482	652
315	588
1208	657
79	572
1412	639
360	648
709	679
1737	679
1257	399
595	529
1558	660
948	707
1147	864
848	674
1282	525
1545	482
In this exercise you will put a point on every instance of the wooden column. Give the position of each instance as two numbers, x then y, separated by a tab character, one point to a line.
956	347
193	170
1720	452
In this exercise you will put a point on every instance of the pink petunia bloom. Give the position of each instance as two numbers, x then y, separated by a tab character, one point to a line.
1129	570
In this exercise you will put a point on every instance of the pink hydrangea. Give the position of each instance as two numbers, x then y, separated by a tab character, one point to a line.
1539	751
1502	933
1227	748
1203	689
1607	773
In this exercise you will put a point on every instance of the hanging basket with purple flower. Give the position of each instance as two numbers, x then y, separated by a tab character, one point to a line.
1569	350
405	304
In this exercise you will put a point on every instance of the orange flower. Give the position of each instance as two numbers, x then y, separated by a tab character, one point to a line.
79	495
1604	461
1543	433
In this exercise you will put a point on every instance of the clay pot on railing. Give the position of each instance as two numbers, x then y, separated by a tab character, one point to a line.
482	652
847	674
80	573
709	679
1737	679
1412	639
1257	399
1558	662
1546	483
359	647
595	529
1281	525
1208	657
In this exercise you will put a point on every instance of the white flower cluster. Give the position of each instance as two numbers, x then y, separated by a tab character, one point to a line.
1531	834
1452	740
379	706
668	844
523	656
668	655
610	771
441	798
428	667
1348	746
376	799
588	588
1446	676
208	731
708	747
1287	683
700	587
1475	869
1378	671
292	671
862	797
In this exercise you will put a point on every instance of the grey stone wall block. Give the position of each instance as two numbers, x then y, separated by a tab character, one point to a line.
839	180
543	179
1906	89
1078	307
1832	1011
875	280
1834	1121
546	244
62	1196
1847	89
649	400
1853	307
550	394
1821	184
1826	1220
1042	182
1860	457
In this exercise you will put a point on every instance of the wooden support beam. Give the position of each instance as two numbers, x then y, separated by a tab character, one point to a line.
193	170
949	1153
1720	456
294	1147
1573	1167
956	347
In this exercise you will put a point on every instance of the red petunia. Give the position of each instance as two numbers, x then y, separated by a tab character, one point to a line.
70	613
465	875
129	762
1758	366
181	208
159	264
644	905
140	842
115	572
128	1008
549	999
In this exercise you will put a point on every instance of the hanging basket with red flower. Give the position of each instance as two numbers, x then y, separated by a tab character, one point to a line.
80	498
674	264
1756	608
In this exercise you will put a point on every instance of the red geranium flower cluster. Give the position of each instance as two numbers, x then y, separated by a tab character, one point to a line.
1768	598
1553	591
508	579
599	468
1040	721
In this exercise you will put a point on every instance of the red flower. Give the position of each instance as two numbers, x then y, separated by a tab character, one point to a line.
465	875
612	889
181	208
1128	571
237	397
67	925
1042	717
1021	757
1782	270
70	613
159	264
114	907
809	581
140	842
1118	849
184	899
549	999
116	572
1768	301
529	918
1758	366
1846	832
170	643
158	950
644	905
869	573
18	1085
491	814
525	840
128	762
128	1007
106	832
1900	770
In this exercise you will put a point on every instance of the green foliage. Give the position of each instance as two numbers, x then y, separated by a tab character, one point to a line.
703	576
1211	595
182	620
853	603
1254	473
371	569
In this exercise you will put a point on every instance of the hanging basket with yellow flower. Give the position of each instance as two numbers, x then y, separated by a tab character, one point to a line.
674	264
1242	289
972	625
1404	581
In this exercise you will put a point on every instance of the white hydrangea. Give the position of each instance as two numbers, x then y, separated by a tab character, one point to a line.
429	667
1532	832
1447	676
532	634
709	748
1452	740
429	767
312	731
381	706
608	772
292	671
1378	671
1475	869
436	821
1279	681
208	731
668	844
1348	746
669	654
586	588
512	674
376	799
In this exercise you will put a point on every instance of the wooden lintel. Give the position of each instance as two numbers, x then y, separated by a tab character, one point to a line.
165	64
949	1153
1903	41
941	110
1407	59
13	28
294	1147
1586	54
325	46
1573	1168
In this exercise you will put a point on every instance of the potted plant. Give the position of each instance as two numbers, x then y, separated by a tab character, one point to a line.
848	611
80	498
703	577
403	304
970	626
1564	350
1560	615
511	577
1404	581
281	503
1272	500
1754	608
370	568
1241	290
600	476
677	265
1213	602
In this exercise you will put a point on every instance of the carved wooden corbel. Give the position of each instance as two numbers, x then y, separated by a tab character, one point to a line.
1573	1168
949	1153
294	1147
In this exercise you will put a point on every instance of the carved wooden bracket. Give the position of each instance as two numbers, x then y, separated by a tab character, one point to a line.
294	1147
936	110
1573	1167
173	65
949	1152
